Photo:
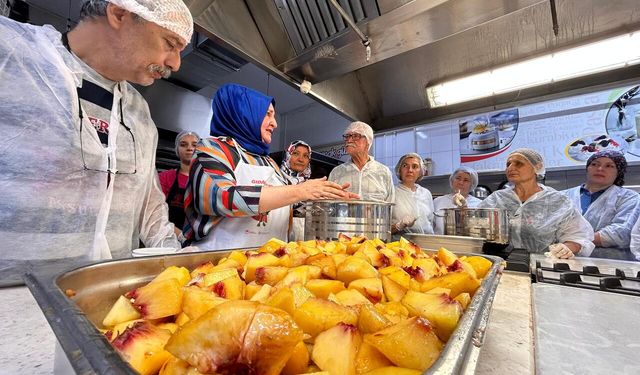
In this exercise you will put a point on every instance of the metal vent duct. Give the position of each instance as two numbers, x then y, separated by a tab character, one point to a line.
310	22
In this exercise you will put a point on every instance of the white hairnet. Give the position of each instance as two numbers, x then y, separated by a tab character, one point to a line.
173	15
470	171
183	134
360	127
532	157
405	157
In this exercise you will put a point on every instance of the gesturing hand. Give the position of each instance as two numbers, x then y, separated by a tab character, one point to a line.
320	188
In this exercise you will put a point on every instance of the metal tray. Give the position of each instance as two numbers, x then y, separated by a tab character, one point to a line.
97	286
435	241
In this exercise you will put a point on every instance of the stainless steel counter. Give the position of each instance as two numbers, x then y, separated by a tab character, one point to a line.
580	331
508	345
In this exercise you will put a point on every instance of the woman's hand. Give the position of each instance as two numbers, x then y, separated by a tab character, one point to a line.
320	188
566	250
459	200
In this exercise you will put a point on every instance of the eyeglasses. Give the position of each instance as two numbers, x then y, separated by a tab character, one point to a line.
128	129
352	136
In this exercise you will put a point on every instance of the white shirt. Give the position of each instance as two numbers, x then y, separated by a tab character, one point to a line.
373	182
414	204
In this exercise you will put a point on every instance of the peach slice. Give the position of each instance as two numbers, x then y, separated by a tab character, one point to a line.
371	320
270	274
439	309
299	360
196	301
480	265
411	343
335	349
179	273
371	288
369	358
317	315
158	299
322	287
354	268
121	311
237	337
141	345
457	282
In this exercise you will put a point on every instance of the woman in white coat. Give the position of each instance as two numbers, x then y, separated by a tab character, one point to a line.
462	181
413	210
541	219
610	209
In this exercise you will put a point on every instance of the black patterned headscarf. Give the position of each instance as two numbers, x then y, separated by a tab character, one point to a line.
295	177
618	158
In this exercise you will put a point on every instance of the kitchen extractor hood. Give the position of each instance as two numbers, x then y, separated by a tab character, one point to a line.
204	62
414	44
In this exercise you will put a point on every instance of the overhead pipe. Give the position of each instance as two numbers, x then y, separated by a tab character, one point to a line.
554	17
365	39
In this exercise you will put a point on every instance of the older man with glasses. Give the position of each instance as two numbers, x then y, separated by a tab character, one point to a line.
78	143
370	179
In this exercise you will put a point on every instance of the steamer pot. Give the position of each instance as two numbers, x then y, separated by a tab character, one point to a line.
326	219
492	224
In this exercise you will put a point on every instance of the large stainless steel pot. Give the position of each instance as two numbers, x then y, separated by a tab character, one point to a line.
492	224
326	219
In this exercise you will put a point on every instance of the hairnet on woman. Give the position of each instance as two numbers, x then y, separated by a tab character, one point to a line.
541	218
237	196
296	167
413	210
462	182
610	209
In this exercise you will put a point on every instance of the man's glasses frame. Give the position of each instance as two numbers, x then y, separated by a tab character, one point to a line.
128	129
353	136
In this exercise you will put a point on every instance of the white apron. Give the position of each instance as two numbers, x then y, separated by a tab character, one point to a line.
244	232
297	229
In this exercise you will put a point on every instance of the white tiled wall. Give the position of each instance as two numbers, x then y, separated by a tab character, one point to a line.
435	141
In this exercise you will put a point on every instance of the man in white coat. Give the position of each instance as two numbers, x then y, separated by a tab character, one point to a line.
77	142
610	209
368	178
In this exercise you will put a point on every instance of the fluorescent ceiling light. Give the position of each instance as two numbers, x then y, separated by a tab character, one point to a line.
590	58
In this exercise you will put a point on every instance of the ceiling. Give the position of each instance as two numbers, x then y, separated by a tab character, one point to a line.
413	44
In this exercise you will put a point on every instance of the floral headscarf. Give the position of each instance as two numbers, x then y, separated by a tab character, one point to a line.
295	177
618	158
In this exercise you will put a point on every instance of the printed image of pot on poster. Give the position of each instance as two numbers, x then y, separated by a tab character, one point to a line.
487	135
623	120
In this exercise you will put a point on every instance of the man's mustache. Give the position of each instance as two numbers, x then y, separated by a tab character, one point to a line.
164	71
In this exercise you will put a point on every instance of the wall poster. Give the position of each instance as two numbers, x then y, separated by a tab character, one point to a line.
565	131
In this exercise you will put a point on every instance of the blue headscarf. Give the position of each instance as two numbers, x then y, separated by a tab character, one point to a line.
238	112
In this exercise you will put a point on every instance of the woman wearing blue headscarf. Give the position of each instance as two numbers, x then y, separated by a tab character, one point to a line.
237	197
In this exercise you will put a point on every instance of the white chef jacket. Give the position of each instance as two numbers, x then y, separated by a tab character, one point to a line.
51	208
373	182
414	204
547	217
635	240
446	201
613	214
